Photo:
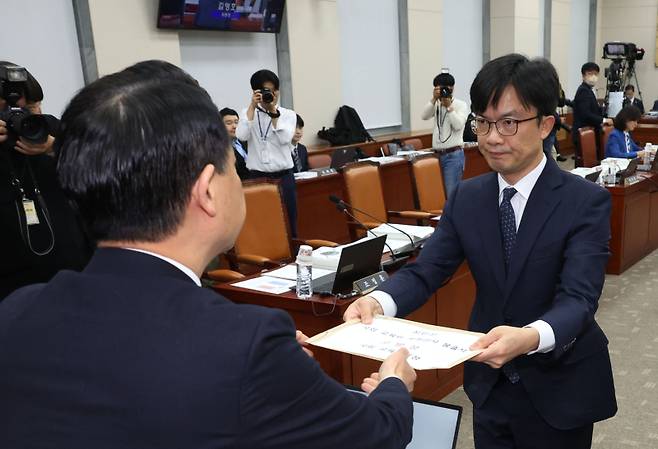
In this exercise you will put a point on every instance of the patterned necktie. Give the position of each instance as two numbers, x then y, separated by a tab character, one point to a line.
296	160
628	142
507	224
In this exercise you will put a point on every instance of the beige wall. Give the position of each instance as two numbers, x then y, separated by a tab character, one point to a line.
560	36
514	27
314	42
125	32
631	21
425	55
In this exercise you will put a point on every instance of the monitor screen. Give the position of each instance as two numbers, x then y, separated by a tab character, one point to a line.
436	424
260	16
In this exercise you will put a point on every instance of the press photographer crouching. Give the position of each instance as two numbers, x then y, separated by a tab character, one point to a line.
39	233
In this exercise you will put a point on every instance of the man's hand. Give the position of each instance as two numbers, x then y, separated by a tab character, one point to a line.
256	98
3	131
301	339
446	102
396	365
364	309
34	149
436	94
504	343
370	383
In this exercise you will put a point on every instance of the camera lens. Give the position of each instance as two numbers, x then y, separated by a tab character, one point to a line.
33	128
267	95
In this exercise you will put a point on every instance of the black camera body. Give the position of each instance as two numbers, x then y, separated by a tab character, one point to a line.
20	123
267	95
445	92
622	50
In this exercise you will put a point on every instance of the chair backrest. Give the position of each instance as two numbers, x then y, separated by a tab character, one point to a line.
416	143
588	146
319	160
364	190
429	191
606	133
266	231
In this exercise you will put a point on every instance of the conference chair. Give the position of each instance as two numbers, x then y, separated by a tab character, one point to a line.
588	146
364	191
319	160
427	177
416	143
265	240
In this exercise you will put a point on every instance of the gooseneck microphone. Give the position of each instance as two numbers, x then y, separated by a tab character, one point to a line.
343	208
338	201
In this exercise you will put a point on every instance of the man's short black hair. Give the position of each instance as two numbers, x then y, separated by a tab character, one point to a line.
589	67
130	148
629	87
535	81
261	77
627	114
300	121
444	79
228	111
162	69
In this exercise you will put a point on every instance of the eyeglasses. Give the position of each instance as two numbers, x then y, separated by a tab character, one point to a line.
505	126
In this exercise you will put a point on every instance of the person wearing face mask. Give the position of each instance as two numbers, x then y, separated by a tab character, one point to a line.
586	110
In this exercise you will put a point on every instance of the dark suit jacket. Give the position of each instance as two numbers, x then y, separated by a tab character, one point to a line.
586	110
131	354
556	275
240	162
616	146
302	153
636	102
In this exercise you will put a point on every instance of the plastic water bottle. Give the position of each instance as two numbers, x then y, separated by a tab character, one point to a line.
305	272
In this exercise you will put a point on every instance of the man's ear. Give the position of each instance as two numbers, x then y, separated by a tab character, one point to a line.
204	190
547	123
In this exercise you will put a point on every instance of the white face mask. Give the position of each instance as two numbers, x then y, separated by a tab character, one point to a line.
591	79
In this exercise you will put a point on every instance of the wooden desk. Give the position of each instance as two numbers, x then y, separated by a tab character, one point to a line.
372	148
318	217
633	223
646	132
449	306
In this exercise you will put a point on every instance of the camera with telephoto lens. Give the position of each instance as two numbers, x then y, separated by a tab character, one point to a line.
267	95
445	92
20	123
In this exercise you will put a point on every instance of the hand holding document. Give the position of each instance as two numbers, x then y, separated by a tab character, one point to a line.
430	347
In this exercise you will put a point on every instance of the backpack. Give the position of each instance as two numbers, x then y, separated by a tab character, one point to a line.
348	128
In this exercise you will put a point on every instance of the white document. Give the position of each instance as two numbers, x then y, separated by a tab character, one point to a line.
416	232
382	159
431	347
290	272
621	162
584	171
306	175
267	284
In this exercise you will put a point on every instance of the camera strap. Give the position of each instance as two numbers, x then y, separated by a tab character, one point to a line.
263	137
440	120
26	210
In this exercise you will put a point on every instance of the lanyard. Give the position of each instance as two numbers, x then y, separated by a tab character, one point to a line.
260	129
20	204
440	120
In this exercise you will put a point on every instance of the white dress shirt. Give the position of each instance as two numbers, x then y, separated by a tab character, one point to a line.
523	187
269	146
448	125
178	265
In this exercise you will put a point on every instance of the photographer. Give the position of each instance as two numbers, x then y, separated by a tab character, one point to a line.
450	115
39	234
268	131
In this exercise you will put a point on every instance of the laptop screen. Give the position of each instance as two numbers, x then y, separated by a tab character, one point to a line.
436	424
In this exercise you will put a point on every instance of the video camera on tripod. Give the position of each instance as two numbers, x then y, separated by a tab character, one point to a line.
622	68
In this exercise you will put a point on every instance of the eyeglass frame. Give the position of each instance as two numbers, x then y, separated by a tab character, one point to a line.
495	123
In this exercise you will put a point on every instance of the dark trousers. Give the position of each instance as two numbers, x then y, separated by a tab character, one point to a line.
508	420
288	189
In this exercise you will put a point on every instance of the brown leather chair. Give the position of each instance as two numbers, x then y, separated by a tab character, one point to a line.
427	177
588	146
319	160
265	239
364	191
416	143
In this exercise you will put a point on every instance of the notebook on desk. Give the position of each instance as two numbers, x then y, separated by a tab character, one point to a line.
356	261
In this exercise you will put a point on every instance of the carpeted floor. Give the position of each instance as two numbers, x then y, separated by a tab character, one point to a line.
628	313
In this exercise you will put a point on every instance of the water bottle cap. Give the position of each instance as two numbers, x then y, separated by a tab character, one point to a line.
305	254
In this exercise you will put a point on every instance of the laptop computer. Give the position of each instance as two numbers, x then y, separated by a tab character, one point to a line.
342	156
629	170
594	176
356	261
436	424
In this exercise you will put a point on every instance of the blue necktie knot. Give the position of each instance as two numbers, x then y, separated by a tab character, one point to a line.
508	193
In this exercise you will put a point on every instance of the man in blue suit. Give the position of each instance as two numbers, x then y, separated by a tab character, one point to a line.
536	241
132	352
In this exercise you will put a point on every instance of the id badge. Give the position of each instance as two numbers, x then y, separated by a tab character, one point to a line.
265	156
30	212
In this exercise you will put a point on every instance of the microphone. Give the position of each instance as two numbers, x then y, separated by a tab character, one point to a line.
338	201
343	208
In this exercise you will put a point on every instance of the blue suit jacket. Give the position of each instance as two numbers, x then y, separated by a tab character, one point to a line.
616	146
130	353
556	275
